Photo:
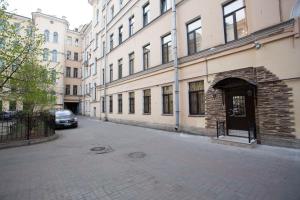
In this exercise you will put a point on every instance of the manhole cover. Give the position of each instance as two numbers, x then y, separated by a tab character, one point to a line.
137	155
100	150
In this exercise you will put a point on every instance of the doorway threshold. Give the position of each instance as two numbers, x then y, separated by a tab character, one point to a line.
235	141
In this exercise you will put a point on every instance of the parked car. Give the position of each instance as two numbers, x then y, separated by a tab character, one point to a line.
65	118
7	115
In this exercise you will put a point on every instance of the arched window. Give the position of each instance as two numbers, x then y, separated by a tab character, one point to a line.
55	37
45	54
46	35
54	56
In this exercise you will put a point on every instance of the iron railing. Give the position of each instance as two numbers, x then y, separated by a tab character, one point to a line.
24	126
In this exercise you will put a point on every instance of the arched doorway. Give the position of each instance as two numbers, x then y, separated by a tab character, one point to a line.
239	100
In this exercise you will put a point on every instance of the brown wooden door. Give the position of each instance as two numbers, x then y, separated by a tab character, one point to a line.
239	108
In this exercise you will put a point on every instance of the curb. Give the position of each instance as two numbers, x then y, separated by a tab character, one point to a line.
28	142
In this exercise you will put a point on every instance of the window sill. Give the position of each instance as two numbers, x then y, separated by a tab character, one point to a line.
120	113
167	114
146	113
203	115
131	113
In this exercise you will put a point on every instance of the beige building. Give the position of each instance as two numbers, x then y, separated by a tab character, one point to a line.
238	66
62	54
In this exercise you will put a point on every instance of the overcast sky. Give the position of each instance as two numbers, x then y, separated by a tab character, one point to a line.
77	11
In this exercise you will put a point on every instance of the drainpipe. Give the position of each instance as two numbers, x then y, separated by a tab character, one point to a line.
280	10
175	56
105	63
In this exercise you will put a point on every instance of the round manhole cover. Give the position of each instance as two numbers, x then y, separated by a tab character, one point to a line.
137	155
100	150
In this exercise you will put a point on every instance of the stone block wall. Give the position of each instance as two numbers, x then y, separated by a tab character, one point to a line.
274	102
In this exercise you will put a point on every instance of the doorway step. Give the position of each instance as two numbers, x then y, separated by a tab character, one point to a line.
235	141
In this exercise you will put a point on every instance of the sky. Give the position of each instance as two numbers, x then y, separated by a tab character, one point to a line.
77	11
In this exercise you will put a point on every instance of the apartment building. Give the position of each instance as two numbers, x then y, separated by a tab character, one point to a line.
238	66
61	53
237	61
5	102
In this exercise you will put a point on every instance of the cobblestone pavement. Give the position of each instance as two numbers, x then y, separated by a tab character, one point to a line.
170	166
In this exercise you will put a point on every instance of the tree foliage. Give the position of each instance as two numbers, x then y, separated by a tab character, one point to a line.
23	77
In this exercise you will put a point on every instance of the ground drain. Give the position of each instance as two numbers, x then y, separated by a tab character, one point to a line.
101	150
137	155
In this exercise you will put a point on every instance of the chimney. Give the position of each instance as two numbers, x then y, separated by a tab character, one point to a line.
64	17
39	10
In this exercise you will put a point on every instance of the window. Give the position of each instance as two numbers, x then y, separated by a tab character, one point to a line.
69	40
165	5
147	101
194	36
76	42
120	68
111	72
55	37
95	91
166	49
146	54
120	34
110	104
196	98
45	54
97	41
67	89
103	48
53	75
69	54
120	103
68	71
103	76
235	23
131	24
46	35
131	63
97	15
146	10
112	12
75	72
75	90
75	56
168	100
12	105
103	104
111	41
54	56
131	102
95	67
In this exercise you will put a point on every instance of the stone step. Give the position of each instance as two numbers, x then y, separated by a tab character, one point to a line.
234	141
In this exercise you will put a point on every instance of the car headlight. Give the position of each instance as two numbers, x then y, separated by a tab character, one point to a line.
56	120
75	118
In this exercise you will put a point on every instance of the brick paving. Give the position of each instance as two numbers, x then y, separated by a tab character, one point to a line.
176	167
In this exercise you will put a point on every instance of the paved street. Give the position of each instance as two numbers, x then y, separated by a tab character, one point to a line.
169	166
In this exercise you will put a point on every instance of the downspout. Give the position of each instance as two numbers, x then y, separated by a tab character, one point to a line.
176	70
105	62
280	10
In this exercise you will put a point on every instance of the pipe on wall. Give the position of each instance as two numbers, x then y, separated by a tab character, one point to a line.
105	63
176	70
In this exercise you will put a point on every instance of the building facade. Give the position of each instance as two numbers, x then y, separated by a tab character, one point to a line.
61	54
237	61
238	65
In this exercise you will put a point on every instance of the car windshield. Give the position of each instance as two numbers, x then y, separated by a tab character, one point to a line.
63	113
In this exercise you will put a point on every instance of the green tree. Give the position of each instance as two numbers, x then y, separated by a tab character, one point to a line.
23	77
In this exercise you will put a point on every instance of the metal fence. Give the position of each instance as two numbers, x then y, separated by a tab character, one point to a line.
24	126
